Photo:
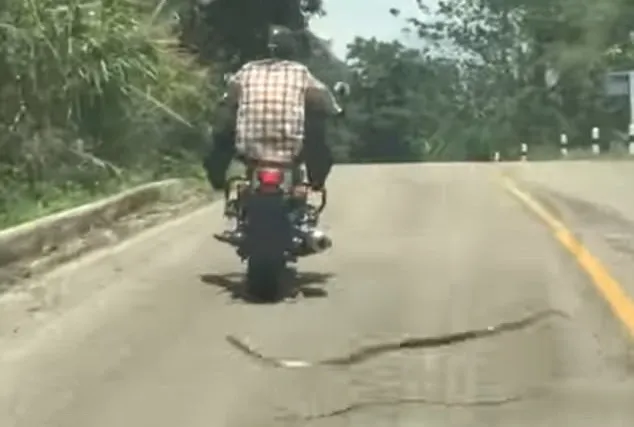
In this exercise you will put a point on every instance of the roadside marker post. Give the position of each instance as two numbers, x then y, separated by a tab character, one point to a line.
596	141
563	144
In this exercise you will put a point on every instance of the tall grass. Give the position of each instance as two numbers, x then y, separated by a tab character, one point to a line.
93	94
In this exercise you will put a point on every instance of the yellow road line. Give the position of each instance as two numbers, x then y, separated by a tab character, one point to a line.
621	304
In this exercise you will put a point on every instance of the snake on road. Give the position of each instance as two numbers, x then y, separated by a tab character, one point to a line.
368	352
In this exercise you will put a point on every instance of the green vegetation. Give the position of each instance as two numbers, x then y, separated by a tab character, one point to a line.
478	83
93	97
97	96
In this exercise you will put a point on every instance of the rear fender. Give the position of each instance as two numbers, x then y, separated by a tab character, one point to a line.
268	228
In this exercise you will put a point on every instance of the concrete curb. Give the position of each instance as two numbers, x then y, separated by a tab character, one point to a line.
39	237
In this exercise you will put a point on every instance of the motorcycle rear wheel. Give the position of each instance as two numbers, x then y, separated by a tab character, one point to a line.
264	277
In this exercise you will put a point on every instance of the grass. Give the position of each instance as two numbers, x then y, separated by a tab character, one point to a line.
25	207
57	199
95	98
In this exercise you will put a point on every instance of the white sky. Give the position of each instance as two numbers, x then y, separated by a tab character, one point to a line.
346	19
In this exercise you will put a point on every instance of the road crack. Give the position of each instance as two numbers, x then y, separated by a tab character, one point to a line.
359	406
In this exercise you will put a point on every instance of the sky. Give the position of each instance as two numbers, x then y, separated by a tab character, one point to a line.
347	19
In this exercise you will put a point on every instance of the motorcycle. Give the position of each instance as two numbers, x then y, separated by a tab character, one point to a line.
277	222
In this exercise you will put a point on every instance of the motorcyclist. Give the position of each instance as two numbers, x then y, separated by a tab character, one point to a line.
274	111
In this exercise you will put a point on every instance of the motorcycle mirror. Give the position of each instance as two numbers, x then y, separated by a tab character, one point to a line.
342	89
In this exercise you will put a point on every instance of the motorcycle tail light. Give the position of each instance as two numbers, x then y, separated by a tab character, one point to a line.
270	177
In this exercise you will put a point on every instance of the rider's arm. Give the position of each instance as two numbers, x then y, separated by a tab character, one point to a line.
232	95
319	94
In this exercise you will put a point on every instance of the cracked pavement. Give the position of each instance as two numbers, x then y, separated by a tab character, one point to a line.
134	335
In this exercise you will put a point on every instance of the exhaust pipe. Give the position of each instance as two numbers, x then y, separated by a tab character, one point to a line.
315	241
309	242
318	241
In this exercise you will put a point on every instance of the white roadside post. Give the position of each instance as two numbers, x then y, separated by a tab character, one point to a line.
596	147
563	144
631	139
524	152
496	156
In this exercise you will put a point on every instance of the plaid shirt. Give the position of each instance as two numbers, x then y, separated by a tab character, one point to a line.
271	97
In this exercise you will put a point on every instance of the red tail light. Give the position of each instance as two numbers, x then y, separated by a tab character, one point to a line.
270	177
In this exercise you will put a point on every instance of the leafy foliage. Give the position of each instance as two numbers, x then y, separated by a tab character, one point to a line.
493	74
88	92
232	32
93	94
504	51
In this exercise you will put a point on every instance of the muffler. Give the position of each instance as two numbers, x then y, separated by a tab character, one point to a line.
318	241
313	241
309	241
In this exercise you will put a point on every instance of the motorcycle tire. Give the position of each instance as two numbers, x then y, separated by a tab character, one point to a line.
264	277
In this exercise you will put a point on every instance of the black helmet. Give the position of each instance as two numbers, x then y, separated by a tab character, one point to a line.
282	43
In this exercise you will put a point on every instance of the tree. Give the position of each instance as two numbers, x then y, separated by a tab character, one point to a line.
507	48
234	31
91	93
400	100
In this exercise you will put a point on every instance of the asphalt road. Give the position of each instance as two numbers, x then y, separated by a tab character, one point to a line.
135	336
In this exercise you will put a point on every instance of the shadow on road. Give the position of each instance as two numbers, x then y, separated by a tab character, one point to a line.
294	284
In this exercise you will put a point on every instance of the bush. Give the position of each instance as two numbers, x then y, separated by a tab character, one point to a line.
93	92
